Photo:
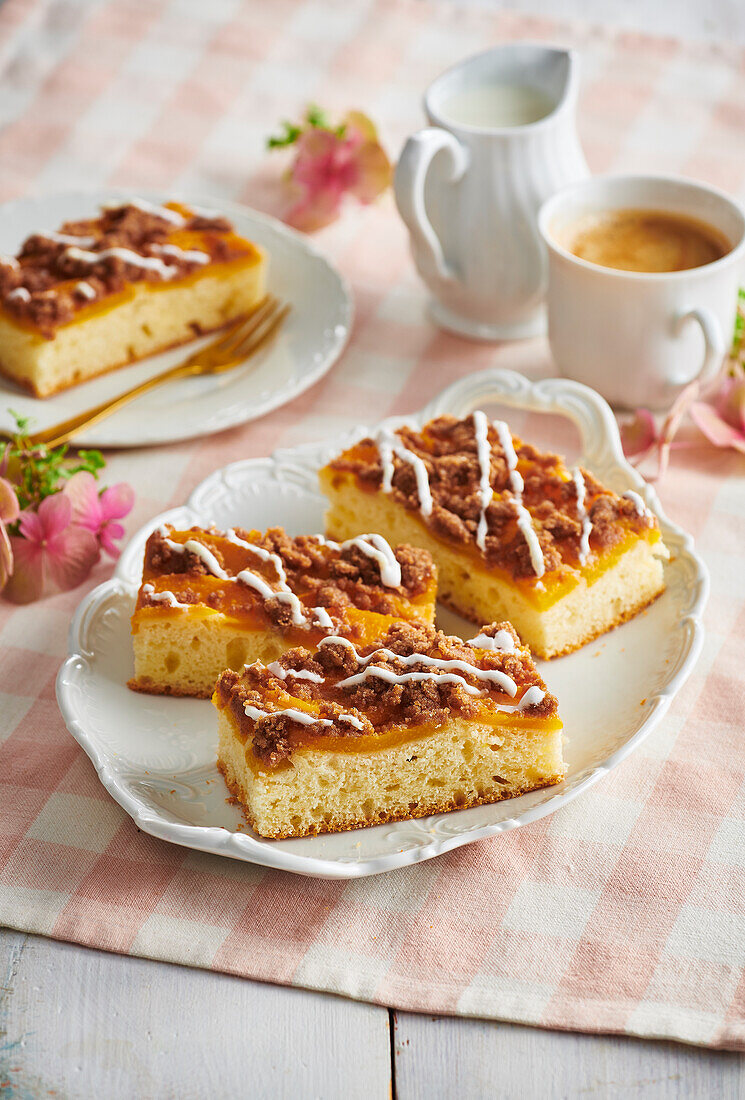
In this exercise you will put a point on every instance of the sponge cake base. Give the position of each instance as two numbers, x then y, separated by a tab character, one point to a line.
462	764
146	319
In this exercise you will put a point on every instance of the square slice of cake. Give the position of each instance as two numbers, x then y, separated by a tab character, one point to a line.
514	532
213	600
108	290
353	736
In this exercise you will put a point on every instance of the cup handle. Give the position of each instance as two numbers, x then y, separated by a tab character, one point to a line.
408	184
714	343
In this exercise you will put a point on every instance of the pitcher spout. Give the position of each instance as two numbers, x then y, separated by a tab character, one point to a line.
475	93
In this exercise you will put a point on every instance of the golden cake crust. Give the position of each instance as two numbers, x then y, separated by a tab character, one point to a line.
54	280
473	679
449	451
319	573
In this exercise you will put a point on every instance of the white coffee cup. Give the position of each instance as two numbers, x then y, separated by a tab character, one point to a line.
639	337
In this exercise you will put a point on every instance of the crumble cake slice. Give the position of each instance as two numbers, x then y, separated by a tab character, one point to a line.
514	532
109	290
213	600
417	724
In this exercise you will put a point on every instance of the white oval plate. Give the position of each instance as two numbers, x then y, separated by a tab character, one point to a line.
156	755
309	343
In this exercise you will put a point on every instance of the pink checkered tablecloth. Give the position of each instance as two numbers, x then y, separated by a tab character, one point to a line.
623	912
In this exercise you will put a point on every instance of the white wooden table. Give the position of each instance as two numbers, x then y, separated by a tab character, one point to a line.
78	1024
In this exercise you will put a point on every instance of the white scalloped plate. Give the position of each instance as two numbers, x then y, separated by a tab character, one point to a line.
309	343
156	755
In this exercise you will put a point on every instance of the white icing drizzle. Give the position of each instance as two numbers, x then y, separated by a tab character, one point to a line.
584	540
150	263
300	716
375	546
296	673
352	721
163	597
481	432
260	552
502	642
207	557
190	255
149	208
86	290
524	521
284	593
492	674
641	508
402	677
532	697
69	238
323	618
20	293
204	211
337	638
388	446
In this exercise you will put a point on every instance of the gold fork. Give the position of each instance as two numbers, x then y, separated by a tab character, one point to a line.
241	340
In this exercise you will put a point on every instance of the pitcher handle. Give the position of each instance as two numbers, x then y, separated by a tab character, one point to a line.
714	344
408	184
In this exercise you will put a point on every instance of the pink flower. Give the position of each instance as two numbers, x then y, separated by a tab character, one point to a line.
638	435
9	513
722	419
50	545
329	165
98	512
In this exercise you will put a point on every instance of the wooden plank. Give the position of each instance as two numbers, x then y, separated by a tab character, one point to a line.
87	1025
443	1057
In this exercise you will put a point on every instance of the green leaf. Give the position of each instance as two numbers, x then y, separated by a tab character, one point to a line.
290	134
37	472
317	118
23	423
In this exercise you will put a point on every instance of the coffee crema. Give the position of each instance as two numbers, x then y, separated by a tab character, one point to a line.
645	240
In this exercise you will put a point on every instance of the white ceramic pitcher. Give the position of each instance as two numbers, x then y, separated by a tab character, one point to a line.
469	190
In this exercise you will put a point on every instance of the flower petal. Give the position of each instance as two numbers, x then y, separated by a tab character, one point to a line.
106	536
357	122
30	526
54	514
116	501
6	556
672	422
716	430
27	581
82	492
638	434
731	403
374	172
314	211
71	555
9	509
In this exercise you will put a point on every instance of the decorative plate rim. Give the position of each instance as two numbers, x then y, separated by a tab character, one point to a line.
243	410
601	445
